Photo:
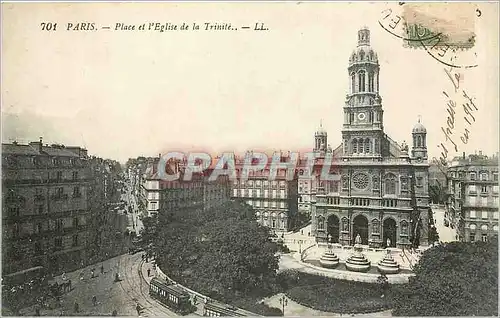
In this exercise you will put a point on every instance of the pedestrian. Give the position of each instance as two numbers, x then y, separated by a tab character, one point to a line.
92	273
77	307
102	269
37	311
115	313
81	275
138	308
94	300
149	272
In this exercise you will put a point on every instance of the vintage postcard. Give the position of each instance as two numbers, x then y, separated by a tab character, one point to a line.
250	158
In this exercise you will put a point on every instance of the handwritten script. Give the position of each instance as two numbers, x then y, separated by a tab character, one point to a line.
466	109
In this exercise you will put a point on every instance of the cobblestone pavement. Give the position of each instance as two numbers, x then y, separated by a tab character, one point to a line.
122	296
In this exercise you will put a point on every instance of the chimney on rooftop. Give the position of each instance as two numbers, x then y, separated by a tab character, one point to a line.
40	145
463	155
480	152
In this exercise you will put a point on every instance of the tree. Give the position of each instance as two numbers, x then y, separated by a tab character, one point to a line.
220	252
454	279
433	235
383	282
149	232
238	256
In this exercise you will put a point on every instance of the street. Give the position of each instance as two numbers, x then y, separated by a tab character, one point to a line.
134	222
122	296
446	234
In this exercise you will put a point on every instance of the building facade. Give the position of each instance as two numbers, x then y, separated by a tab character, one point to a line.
46	212
307	182
382	189
473	197
198	194
274	201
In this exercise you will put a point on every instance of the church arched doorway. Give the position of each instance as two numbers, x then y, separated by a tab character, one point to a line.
333	229
389	232
360	226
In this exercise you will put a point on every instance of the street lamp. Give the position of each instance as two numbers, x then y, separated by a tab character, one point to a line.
283	302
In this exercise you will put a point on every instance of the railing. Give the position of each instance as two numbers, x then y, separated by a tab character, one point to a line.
43	180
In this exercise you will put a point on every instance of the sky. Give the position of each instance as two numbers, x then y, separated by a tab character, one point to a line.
132	93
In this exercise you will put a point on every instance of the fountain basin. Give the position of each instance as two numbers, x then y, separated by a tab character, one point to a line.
358	263
329	260
388	265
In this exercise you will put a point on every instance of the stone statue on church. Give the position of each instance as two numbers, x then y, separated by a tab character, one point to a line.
358	239
388	242
329	148
404	146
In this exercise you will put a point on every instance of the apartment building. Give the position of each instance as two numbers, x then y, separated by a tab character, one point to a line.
45	208
198	193
274	201
473	197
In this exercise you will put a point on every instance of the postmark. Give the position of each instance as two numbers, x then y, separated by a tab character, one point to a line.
445	32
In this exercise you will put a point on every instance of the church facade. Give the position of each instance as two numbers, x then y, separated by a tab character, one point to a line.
382	192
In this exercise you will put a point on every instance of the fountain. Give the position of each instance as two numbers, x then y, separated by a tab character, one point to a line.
329	259
357	262
388	265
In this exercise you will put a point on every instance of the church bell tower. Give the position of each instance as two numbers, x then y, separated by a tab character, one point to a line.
363	131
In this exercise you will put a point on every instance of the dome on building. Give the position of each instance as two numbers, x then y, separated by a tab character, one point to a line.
419	128
364	52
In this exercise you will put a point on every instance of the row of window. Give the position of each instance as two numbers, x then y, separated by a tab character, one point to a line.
274	223
267	204
38	209
360	145
390	184
484	214
485	189
321	223
257	193
482	201
163	293
58	244
362	202
473	175
259	183
38	227
472	237
16	161
484	227
361	82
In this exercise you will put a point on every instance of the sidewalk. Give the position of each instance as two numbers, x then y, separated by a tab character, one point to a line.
295	309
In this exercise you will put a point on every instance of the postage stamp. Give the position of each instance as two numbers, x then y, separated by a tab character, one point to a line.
446	32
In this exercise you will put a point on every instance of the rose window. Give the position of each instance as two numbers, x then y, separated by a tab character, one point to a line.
360	181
